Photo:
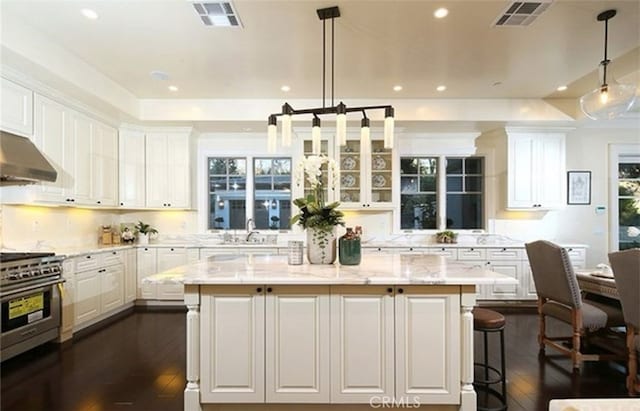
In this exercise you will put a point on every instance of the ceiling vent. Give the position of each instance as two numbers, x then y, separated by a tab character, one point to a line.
217	14
522	13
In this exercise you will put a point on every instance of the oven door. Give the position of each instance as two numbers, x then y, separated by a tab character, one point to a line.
28	312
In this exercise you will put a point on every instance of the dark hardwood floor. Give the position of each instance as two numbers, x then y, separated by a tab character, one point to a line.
138	363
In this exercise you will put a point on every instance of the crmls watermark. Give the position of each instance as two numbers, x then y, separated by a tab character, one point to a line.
384	401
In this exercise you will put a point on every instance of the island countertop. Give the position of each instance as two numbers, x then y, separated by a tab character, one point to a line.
374	269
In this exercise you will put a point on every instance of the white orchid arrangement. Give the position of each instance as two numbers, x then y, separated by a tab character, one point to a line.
313	211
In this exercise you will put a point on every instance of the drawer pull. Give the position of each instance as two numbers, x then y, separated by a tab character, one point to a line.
400	290
259	289
269	289
88	256
389	290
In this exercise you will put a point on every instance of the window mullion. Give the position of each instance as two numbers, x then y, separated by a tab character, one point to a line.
441	193
250	189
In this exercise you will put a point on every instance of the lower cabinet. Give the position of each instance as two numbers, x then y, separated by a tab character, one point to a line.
330	344
130	275
111	287
87	305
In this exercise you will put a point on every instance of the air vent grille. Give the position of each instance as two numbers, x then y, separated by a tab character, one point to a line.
522	13
217	14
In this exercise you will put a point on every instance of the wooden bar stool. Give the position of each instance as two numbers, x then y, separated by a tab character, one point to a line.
489	321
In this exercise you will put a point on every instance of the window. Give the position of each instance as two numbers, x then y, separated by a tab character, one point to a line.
464	192
272	195
227	193
628	202
418	183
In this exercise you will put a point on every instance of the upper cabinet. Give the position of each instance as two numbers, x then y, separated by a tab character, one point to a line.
132	168
536	170
16	115
104	163
366	175
168	172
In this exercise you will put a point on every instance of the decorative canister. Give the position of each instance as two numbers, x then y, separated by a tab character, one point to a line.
350	252
295	252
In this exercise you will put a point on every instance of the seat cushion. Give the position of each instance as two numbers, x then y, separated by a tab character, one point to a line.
594	314
487	319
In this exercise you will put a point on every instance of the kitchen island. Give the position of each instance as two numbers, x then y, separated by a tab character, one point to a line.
396	329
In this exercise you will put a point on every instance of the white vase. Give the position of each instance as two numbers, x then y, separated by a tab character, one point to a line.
143	239
321	246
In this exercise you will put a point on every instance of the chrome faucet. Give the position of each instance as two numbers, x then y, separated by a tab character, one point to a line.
251	229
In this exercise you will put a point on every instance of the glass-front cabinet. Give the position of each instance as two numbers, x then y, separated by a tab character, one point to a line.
366	175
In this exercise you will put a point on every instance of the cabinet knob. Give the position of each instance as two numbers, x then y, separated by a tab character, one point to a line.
99	202
389	290
114	252
121	204
146	249
259	289
171	249
169	204
471	249
504	249
400	290
269	289
410	248
88	256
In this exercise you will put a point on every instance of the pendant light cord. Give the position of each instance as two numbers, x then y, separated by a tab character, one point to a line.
332	54
605	62
324	54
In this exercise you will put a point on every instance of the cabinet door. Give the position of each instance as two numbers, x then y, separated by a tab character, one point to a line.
111	287
528	283
130	279
171	257
87	304
380	165
351	175
551	180
104	153
146	266
232	344
504	291
522	164
16	115
79	156
362	343
297	344
428	344
52	136
156	170
178	171
68	300
132	168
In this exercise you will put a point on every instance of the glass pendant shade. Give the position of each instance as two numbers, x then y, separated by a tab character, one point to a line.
286	130
341	129
388	132
609	101
316	137
365	132
272	137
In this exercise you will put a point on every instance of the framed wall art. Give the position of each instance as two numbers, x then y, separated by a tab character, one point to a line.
578	187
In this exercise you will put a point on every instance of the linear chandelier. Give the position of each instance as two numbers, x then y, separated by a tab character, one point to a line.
610	99
339	110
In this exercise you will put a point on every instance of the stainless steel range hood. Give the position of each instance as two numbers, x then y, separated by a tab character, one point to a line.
21	162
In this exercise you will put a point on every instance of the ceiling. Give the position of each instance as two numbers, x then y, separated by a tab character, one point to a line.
379	44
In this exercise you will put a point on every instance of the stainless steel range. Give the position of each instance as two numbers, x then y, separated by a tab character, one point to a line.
30	296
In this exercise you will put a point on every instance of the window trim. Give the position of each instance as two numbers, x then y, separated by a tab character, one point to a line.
615	152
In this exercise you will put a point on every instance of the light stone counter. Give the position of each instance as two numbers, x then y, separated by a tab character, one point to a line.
395	269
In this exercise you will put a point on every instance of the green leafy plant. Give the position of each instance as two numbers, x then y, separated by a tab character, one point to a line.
447	236
143	228
314	213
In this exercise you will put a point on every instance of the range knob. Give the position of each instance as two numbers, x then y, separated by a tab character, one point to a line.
36	273
25	274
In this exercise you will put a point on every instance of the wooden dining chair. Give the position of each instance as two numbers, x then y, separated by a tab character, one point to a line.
559	297
626	271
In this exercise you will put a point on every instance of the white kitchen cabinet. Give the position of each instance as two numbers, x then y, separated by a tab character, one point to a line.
448	252
208	251
170	257
111	287
362	343
536	170
87	304
52	137
130	277
146	266
233	347
68	300
168	170
366	175
505	291
16	115
297	344
104	165
132	168
427	337
78	160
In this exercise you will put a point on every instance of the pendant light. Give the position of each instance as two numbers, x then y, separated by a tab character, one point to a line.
365	130
340	110
610	99
272	135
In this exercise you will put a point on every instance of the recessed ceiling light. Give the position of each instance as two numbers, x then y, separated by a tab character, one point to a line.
173	88
285	88
441	88
440	13
397	88
90	14
561	88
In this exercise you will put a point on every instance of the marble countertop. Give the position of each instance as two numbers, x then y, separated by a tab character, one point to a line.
376	269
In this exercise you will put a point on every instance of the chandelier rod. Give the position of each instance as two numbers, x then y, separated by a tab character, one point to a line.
605	62
324	64
332	55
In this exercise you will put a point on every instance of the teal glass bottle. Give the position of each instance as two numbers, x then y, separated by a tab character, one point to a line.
350	252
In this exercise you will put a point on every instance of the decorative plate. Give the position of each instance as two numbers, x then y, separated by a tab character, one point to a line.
379	163
349	163
345	197
379	180
348	180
